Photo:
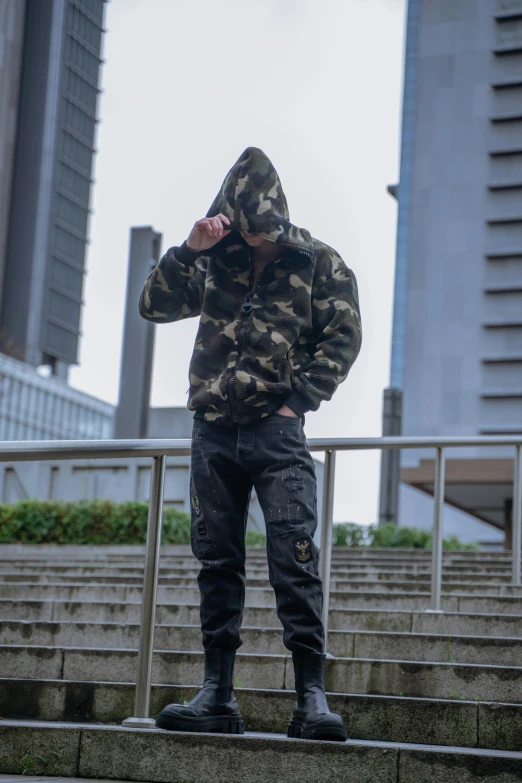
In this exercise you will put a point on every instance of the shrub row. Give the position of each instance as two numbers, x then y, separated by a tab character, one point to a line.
86	522
352	535
105	522
92	522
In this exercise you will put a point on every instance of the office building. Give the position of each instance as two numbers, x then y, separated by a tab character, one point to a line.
457	323
49	76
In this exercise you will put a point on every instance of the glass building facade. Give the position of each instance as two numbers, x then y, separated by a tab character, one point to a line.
33	407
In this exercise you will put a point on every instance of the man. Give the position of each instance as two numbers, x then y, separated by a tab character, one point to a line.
279	330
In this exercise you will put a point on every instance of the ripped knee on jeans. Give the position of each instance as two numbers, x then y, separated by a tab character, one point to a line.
282	528
292	478
203	545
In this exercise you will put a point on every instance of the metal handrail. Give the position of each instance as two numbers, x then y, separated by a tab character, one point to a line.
159	450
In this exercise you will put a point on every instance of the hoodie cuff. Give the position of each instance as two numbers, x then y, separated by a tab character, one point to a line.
184	254
298	403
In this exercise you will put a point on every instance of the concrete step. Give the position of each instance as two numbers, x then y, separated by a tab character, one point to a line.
482	587
189	566
169	566
268	640
343	675
115	553
447	623
341	580
165	757
457	602
259	560
190	562
382	718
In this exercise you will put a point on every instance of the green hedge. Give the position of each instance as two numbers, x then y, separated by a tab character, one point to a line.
351	535
92	522
105	522
86	522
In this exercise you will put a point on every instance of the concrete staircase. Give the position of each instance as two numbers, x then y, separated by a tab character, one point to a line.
425	697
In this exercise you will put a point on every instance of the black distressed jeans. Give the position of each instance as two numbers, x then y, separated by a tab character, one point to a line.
272	455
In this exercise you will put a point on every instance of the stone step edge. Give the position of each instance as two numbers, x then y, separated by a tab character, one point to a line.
339	611
414	635
287	659
389	719
289	693
97	751
259	580
347	610
415	570
506	598
514	754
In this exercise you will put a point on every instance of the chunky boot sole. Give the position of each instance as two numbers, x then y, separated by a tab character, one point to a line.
322	730
216	724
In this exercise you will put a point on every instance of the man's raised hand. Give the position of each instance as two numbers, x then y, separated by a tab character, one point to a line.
207	232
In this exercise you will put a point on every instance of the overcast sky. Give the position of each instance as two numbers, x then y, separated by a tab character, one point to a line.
187	86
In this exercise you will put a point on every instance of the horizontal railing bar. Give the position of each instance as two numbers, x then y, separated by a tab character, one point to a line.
356	444
21	451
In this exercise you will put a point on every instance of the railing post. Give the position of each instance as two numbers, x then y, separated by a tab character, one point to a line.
326	537
438	518
517	515
141	719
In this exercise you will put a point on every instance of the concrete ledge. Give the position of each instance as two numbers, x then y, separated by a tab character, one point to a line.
200	758
39	749
171	757
464	767
155	755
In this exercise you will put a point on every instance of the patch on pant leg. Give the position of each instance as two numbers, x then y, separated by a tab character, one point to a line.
194	500
303	550
195	504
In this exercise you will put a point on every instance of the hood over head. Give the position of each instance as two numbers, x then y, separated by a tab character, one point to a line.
252	198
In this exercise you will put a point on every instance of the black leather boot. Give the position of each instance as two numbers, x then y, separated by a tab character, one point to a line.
312	719
215	707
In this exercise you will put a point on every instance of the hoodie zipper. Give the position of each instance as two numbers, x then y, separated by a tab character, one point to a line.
246	308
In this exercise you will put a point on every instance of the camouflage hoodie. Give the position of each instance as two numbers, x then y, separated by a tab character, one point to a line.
292	340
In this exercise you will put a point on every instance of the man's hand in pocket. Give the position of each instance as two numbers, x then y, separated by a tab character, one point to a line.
286	411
